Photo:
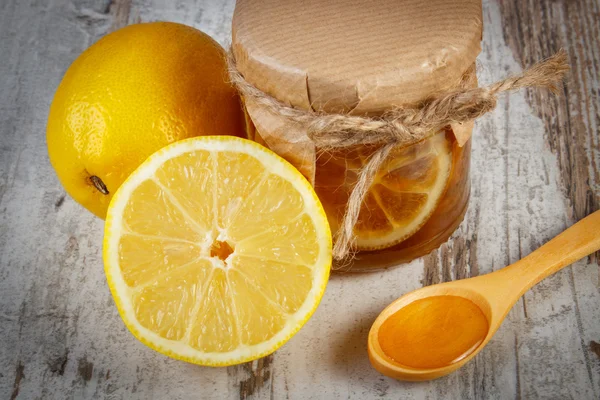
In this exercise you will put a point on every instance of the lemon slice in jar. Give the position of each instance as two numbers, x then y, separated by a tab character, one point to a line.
216	251
403	196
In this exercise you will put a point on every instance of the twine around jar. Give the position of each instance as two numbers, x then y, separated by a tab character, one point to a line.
397	127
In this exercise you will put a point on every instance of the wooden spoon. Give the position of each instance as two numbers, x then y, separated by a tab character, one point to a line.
494	294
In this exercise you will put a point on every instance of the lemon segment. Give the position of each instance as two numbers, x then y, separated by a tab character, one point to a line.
404	194
216	251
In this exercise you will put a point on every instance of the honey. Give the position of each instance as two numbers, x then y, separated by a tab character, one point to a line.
433	332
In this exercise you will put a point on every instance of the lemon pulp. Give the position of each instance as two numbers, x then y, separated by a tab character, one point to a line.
216	251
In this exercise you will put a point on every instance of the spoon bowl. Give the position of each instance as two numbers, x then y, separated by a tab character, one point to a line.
387	366
494	294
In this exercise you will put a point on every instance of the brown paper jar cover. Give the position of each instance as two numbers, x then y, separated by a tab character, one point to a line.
350	56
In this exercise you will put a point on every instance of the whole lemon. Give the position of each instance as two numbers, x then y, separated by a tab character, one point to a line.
130	94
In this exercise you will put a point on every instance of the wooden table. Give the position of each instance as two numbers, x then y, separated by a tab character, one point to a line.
536	170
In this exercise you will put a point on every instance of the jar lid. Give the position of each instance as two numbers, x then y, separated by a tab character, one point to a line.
353	55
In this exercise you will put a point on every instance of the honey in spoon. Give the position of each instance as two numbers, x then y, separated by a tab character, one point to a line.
433	332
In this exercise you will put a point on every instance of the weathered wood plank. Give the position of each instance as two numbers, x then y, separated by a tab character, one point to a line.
533	29
535	170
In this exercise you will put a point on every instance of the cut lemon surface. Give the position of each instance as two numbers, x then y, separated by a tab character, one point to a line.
403	196
216	251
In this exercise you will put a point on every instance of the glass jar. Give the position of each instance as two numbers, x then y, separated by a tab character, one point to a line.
348	58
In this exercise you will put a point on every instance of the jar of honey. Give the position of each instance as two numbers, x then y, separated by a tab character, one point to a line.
356	58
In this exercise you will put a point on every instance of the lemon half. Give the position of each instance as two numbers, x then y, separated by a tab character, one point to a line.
216	251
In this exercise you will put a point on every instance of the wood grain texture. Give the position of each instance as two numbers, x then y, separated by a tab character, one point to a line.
535	168
572	121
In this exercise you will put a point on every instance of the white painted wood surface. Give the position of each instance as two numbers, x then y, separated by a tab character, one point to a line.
536	168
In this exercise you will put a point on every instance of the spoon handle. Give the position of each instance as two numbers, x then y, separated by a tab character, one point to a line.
580	240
